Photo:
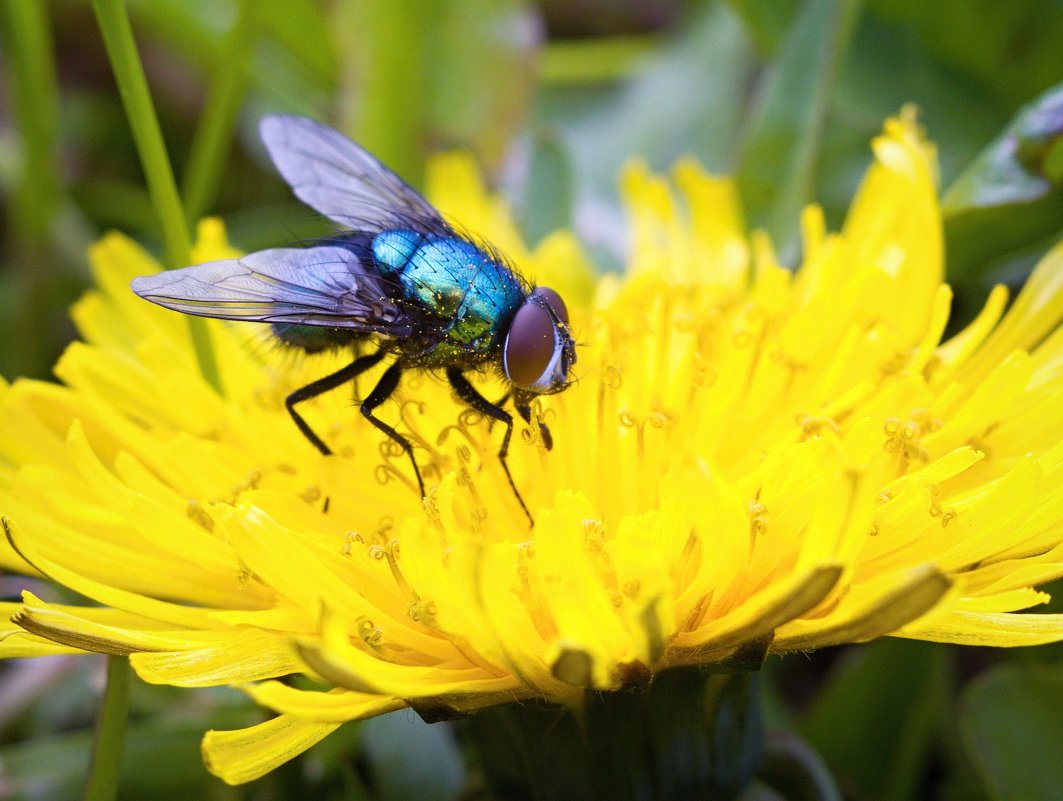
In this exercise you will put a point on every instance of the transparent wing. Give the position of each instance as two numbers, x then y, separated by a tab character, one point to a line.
334	176
324	286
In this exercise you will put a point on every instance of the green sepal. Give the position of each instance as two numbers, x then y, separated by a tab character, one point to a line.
688	734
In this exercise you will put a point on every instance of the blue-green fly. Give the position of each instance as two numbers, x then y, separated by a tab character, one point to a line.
397	278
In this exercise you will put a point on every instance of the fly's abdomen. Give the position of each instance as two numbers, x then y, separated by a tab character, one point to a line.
465	294
315	338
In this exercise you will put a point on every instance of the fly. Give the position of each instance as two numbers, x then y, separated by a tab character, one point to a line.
397	279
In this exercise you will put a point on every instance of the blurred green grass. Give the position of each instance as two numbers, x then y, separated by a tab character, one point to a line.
553	98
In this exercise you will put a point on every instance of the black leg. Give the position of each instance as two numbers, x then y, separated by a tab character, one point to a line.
323	385
467	392
381	392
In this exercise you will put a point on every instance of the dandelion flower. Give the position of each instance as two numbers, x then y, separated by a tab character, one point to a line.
753	461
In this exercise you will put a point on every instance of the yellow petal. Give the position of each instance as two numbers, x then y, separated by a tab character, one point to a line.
879	613
997	629
334	706
229	658
22	645
133	603
76	631
243	755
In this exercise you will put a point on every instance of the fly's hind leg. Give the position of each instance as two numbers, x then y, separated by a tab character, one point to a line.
320	387
469	394
381	392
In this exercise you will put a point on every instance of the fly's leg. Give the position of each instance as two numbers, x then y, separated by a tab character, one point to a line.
500	403
321	386
468	393
381	392
523	408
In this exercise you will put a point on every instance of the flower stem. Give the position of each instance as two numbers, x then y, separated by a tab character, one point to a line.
214	134
113	19
35	95
110	733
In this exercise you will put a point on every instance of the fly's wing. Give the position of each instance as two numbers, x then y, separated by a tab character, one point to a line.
337	178
323	286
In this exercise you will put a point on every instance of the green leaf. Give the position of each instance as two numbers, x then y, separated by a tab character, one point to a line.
874	721
653	116
767	20
796	770
188	27
383	78
303	28
295	65
162	762
1011	49
1012	727
886	70
546	204
481	71
121	204
684	100
782	142
1012	169
1010	197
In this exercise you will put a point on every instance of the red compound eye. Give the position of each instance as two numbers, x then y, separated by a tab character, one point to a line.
530	346
553	300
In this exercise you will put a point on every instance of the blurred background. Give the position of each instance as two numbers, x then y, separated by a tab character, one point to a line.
553	98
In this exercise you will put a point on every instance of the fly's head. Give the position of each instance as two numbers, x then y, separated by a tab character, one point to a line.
539	352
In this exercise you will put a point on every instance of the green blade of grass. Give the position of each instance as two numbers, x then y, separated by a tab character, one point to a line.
25	26
213	136
113	20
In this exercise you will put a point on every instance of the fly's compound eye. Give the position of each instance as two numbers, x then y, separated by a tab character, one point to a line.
553	300
530	347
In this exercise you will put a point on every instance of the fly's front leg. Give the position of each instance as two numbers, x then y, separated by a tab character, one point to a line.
523	407
469	394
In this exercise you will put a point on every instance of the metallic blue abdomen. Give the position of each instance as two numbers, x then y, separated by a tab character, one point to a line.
471	294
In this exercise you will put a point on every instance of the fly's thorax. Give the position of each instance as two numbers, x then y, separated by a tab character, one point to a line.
465	295
392	250
539	352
